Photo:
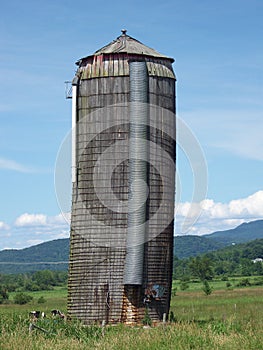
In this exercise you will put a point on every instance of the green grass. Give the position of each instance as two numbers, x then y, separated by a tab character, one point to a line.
226	319
217	283
55	299
56	293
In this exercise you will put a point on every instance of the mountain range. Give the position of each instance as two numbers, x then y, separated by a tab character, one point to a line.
54	254
190	245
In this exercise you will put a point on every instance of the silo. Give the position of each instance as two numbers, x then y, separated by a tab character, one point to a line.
123	180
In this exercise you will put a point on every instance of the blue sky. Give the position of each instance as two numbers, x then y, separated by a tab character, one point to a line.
218	50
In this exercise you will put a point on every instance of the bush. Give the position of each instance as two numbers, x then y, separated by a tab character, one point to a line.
244	283
258	281
3	294
207	288
228	285
224	278
41	300
172	317
147	319
22	298
184	285
174	290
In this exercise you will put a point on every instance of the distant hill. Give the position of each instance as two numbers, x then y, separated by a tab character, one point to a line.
186	246
243	233
54	255
249	250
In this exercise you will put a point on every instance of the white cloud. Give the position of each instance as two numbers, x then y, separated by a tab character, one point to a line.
234	222
3	226
9	164
30	229
219	216
250	206
31	242
31	220
61	218
62	234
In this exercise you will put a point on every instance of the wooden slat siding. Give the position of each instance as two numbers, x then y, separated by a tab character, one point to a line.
121	66
98	266
117	65
93	306
96	290
102	98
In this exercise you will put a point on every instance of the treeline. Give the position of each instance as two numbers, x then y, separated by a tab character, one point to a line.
40	280
237	260
189	246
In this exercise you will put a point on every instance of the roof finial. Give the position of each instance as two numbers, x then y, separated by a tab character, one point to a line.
124	31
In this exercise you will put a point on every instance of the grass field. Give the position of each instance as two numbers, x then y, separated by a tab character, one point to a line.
226	319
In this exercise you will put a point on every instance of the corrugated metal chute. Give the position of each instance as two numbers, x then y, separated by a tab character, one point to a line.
138	189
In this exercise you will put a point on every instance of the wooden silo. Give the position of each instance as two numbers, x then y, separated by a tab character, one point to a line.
121	243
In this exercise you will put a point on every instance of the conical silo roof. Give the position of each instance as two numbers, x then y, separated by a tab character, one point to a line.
126	44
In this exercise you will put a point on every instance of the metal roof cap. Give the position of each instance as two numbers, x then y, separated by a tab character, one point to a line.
126	44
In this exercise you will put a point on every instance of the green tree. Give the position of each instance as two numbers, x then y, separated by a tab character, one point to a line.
22	298
258	268
3	294
44	279
31	286
207	288
201	267
41	300
246	267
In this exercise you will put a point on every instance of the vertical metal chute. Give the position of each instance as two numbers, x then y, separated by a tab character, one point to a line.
74	129
138	189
